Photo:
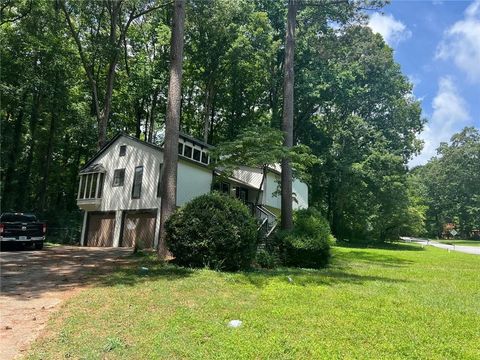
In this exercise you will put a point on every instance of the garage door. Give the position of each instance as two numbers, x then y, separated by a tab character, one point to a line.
100	229
139	228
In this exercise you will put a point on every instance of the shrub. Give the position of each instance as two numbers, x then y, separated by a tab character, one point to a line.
266	259
213	230
308	243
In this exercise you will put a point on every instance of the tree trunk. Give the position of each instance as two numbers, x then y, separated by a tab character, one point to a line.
26	181
8	190
48	161
152	115
287	122
206	114
172	122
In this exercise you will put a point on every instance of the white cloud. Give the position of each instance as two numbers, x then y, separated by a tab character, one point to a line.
449	115
392	30
461	42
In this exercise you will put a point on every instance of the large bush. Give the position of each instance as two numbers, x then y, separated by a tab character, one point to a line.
308	243
213	230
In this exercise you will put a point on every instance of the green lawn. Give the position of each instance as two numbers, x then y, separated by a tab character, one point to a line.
403	302
460	242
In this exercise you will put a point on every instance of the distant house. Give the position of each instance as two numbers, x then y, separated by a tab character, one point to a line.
119	189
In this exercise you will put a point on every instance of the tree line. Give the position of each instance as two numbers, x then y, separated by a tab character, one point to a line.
74	73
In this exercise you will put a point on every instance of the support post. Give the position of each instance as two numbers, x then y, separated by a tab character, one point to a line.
118	228
84	228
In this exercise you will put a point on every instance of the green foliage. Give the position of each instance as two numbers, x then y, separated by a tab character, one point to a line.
213	230
451	184
267	259
308	243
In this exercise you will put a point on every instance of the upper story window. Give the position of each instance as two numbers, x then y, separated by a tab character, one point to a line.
123	150
91	186
196	154
137	183
187	152
204	157
118	177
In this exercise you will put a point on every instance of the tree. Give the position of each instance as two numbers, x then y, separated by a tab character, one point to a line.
170	145
452	184
99	30
287	123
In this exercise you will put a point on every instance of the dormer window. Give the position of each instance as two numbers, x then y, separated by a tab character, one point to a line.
187	151
123	150
196	154
204	157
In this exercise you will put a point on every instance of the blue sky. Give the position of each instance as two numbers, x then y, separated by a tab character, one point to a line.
437	44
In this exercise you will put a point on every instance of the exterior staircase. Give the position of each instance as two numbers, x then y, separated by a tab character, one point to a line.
268	223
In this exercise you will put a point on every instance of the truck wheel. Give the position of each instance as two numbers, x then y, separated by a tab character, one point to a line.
39	246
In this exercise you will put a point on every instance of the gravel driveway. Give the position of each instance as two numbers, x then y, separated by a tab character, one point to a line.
34	283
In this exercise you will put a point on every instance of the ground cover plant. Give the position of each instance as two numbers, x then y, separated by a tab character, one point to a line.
401	301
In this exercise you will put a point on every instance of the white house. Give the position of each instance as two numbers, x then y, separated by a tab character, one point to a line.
119	189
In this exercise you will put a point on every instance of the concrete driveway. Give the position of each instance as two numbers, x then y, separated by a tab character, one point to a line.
34	283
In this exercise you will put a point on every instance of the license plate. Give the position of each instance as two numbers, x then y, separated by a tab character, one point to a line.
22	238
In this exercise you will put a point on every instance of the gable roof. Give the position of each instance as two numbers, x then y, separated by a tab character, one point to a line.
90	163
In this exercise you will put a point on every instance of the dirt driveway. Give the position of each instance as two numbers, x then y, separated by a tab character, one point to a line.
34	283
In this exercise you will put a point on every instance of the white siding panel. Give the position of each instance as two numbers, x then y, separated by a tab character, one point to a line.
120	197
271	186
192	181
300	195
300	192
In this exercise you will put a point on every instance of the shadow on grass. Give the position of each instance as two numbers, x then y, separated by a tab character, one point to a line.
144	269
304	277
381	246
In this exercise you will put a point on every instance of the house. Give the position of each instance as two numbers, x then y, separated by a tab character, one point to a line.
119	189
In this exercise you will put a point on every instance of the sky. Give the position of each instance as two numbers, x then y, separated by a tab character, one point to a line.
437	44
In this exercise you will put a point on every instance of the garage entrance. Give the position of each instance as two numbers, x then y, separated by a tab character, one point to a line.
139	228
100	229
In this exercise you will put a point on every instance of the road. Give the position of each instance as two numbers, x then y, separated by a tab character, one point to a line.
460	248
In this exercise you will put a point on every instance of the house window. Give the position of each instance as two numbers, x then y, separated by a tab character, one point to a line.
160	173
137	183
180	149
188	151
100	185
118	177
196	154
204	157
222	187
93	187
123	150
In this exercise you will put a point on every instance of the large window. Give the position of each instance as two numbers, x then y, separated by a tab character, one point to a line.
137	183
91	186
118	177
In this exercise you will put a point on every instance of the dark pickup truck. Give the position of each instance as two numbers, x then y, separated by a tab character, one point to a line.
22	228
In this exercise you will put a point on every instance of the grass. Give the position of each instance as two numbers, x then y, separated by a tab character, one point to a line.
400	302
460	242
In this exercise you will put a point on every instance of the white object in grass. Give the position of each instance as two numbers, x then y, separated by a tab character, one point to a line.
234	323
290	279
